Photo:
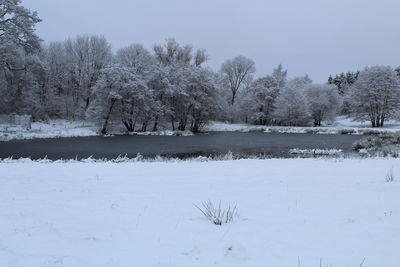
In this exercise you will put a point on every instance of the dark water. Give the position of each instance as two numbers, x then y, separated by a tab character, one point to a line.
266	144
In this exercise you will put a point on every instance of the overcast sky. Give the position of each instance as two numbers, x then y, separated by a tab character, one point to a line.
318	37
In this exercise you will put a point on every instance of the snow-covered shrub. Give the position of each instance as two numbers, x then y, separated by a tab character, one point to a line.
374	142
292	105
217	215
323	102
384	145
347	131
291	108
316	152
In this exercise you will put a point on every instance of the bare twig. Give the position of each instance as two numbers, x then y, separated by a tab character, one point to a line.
217	215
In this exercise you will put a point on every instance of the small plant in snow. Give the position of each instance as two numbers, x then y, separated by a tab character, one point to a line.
322	265
390	176
217	215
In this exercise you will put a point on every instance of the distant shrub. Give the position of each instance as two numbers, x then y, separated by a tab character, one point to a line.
347	131
386	145
371	132
312	131
376	141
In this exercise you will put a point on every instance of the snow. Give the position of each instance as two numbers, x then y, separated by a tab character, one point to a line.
165	133
142	214
51	129
329	152
65	128
342	125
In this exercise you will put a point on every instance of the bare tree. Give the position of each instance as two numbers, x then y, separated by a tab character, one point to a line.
237	72
86	57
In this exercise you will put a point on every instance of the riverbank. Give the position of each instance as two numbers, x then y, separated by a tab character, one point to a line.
122	214
342	125
65	128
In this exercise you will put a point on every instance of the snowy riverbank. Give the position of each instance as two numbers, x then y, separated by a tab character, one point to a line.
142	214
65	128
342	125
50	129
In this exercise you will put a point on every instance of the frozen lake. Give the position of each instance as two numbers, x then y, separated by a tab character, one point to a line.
255	143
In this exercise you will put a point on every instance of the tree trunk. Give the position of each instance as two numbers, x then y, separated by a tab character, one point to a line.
144	126
233	97
87	102
129	125
378	122
192	125
196	126
172	123
106	119
155	124
182	124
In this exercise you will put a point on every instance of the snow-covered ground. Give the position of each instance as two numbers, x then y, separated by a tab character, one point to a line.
317	152
64	128
342	125
51	129
142	214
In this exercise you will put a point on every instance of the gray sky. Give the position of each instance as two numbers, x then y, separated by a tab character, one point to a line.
318	37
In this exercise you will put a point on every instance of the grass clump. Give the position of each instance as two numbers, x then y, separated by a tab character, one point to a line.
217	214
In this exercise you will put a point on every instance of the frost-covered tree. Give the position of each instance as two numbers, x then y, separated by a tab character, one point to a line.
202	98
259	99
177	82
291	104
17	26
299	83
237	72
73	68
343	81
375	95
57	87
323	102
144	65
398	71
106	93
119	90
279	76
86	57
172	53
137	57
21	69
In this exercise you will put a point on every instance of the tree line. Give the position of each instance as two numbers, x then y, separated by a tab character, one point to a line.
82	79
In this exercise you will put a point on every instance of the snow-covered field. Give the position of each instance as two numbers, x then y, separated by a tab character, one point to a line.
142	214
